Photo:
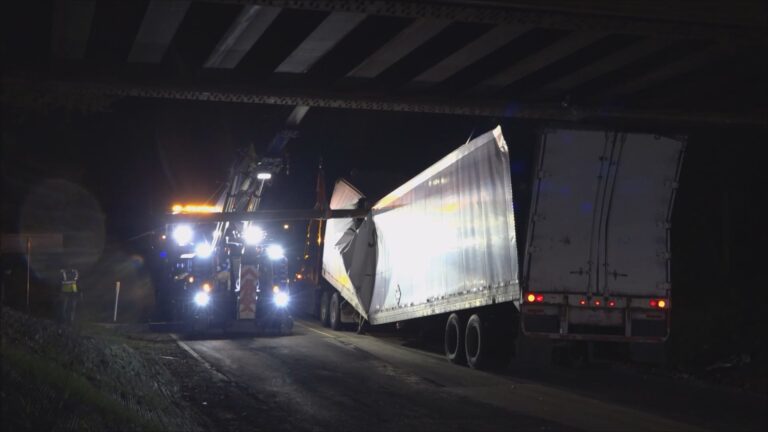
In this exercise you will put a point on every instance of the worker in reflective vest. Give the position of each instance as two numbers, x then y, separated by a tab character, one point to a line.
69	295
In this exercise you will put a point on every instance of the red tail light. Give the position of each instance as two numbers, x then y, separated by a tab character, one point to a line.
583	302
597	302
534	298
658	303
611	303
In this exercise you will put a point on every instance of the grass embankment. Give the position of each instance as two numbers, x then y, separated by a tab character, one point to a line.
57	378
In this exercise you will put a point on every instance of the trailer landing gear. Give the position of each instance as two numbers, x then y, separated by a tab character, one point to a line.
361	325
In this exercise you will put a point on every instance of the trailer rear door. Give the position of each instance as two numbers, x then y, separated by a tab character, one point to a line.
635	252
560	256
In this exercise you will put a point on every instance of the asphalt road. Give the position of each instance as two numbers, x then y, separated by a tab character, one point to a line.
318	379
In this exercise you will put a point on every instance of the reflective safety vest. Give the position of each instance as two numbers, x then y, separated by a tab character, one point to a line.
69	286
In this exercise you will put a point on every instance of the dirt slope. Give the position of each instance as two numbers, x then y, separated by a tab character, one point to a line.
60	378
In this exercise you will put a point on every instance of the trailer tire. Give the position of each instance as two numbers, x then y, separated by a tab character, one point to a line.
325	299
488	342
453	340
334	312
477	343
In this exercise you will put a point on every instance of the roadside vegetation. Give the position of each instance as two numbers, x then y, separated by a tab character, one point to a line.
85	378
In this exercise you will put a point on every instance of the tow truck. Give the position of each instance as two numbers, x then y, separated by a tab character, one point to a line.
228	274
224	271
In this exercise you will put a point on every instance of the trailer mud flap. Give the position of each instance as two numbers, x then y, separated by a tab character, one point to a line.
541	324
649	328
650	323
541	319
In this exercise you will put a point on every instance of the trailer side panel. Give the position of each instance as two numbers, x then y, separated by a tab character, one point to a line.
446	239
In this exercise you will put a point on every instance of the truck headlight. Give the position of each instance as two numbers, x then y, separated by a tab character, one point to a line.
281	299
183	235
203	250
275	252
253	235
202	298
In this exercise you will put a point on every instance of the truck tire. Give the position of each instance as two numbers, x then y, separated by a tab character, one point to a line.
325	299
477	342
488	342
286	326
334	312
453	340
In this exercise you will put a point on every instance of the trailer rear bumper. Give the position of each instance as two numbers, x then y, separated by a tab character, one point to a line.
566	322
595	337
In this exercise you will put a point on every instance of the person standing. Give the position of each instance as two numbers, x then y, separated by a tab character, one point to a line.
69	295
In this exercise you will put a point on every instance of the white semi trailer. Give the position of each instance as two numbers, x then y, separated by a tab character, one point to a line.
595	265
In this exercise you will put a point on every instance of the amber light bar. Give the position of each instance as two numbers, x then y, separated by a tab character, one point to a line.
193	208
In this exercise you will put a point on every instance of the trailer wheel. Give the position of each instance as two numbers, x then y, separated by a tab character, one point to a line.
488	342
453	341
477	342
325	318
335	312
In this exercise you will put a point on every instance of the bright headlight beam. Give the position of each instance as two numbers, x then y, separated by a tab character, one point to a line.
253	235
281	299
275	252
202	298
203	250
183	235
264	176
